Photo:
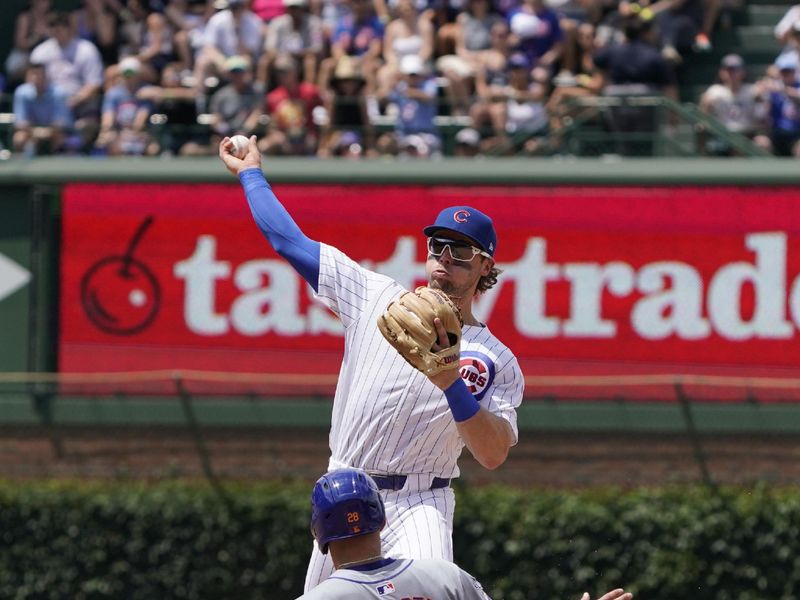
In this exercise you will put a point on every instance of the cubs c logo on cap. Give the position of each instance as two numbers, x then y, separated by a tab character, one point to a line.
461	216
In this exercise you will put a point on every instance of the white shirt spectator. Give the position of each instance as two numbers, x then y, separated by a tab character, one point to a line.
284	39
72	67
784	26
222	33
739	111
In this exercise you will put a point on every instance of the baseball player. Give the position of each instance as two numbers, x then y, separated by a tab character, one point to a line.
347	515
403	427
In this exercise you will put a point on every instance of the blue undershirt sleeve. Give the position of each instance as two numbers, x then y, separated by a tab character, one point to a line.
279	228
461	401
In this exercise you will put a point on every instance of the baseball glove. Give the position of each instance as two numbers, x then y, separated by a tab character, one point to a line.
407	324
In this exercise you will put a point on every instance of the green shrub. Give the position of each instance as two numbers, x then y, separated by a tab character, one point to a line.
152	542
164	541
668	544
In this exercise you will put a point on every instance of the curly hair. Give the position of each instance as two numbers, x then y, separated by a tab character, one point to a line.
487	281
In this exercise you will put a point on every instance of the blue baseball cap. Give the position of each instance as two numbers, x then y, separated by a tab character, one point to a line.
467	221
519	61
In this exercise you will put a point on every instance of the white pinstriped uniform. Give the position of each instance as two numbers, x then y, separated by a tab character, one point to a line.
388	418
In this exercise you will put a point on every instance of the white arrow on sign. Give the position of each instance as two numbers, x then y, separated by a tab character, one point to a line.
12	276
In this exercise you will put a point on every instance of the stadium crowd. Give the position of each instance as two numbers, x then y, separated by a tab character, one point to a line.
360	78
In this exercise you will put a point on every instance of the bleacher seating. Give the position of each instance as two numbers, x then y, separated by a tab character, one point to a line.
748	32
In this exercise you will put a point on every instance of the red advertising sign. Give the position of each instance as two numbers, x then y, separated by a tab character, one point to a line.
596	280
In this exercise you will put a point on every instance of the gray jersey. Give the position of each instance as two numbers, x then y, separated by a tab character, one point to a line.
400	579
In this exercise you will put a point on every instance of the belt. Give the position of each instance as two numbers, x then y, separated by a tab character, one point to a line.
396	482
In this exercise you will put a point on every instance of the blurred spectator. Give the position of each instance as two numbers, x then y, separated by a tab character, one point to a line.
536	32
785	27
148	36
634	68
467	143
792	39
291	129
267	10
473	38
407	34
579	51
330	11
596	11
41	115
515	110
738	105
358	33
344	144
579	79
188	18
492	72
176	104
297	34
686	25
96	21
443	15
348	118
233	31
573	14
75	67
491	85
414	97
123	128
785	108
578	11
237	107
30	29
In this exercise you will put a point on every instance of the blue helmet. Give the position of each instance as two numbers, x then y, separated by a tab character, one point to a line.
345	503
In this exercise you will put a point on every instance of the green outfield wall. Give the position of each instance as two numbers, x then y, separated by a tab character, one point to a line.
487	171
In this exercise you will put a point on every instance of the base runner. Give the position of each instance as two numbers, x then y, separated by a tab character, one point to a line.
347	515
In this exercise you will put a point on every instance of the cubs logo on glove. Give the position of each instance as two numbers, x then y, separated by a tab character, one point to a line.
407	324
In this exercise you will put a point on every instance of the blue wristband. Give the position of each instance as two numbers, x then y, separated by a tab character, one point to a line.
461	401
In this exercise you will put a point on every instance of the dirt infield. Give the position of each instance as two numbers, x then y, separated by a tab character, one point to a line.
539	460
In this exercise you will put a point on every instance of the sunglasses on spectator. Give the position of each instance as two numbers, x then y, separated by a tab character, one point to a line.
460	251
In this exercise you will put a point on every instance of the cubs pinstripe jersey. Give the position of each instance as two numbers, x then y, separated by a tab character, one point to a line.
400	579
387	416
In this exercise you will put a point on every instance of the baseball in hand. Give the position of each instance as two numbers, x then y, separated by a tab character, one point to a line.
240	145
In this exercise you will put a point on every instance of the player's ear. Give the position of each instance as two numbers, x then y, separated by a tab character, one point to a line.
486	266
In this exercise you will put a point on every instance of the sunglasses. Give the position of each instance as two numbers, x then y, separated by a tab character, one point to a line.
460	251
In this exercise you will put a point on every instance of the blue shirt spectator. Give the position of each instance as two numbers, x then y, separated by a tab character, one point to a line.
537	32
415	114
355	32
415	96
41	114
785	108
784	111
123	126
41	105
122	103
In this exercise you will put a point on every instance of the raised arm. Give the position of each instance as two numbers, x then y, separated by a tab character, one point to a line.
272	219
